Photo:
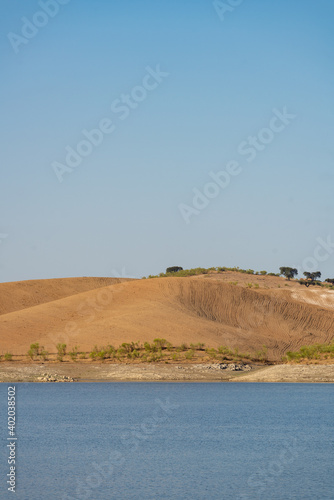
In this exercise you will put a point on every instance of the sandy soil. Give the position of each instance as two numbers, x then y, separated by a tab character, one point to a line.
291	373
216	309
100	372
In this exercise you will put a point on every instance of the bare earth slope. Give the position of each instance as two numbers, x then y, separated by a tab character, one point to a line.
196	309
22	294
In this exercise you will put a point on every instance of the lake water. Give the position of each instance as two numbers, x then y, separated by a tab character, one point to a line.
171	441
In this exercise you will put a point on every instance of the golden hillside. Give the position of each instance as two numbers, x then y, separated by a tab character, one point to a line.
212	309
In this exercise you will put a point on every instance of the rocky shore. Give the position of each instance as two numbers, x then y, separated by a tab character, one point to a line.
217	372
47	377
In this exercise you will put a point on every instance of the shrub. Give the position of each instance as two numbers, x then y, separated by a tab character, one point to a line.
190	354
61	351
263	273
110	351
37	351
126	347
183	347
93	353
261	355
160	343
74	353
250	271
256	285
147	346
223	350
154	357
292	355
150	347
101	354
249	285
310	352
44	355
8	356
211	352
34	350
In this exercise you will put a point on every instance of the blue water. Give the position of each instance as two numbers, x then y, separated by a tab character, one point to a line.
171	441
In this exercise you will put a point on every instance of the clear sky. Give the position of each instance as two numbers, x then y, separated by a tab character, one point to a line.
180	88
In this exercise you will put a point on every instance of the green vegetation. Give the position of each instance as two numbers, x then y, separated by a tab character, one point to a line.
36	351
160	350
311	279
74	353
182	273
197	347
312	276
160	343
107	352
93	353
261	355
311	352
174	269
44	355
61	351
288	272
8	356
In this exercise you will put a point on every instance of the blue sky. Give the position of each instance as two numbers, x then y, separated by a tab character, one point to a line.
118	211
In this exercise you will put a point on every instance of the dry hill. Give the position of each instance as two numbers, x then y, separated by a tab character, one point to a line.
216	309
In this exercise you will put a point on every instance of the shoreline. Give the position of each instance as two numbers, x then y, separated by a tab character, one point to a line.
101	372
